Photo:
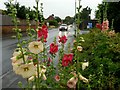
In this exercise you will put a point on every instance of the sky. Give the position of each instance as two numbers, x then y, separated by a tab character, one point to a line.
61	8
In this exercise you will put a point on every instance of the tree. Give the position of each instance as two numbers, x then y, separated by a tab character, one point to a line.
68	20
113	13
85	13
22	11
58	19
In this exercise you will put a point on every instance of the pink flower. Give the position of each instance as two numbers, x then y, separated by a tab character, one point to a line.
67	58
62	39
57	78
105	25
53	48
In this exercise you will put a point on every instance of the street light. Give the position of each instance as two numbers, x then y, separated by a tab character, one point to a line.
75	17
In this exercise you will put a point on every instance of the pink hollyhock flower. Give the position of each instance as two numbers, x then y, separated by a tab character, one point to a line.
67	58
105	25
43	33
57	78
53	48
62	39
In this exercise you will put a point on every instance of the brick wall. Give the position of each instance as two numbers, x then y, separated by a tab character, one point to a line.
7	24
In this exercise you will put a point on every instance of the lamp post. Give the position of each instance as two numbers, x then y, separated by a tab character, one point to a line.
75	18
78	21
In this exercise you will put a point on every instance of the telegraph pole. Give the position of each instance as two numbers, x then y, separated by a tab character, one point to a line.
75	16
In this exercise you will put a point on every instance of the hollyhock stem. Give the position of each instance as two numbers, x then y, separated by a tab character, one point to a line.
15	21
37	70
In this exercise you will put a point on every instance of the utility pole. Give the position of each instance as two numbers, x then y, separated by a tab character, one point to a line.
78	21
75	17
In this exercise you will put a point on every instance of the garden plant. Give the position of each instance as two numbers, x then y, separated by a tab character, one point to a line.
91	63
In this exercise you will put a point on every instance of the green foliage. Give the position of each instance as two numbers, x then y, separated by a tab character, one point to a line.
112	12
53	23
58	19
22	11
68	20
85	13
103	53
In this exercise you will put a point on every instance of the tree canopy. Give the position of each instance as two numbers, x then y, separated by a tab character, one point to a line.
22	11
113	14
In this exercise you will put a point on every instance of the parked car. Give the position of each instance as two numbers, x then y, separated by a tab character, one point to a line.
63	27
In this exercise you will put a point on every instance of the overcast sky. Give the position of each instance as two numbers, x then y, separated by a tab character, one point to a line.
61	8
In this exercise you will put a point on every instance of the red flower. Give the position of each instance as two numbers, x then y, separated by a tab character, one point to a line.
53	48
49	61
99	26
67	58
43	33
62	39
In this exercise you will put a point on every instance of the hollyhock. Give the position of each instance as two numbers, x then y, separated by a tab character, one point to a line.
99	26
49	61
111	33
35	47
63	39
26	70
57	78
43	33
84	65
79	48
83	78
105	25
67	58
72	82
17	60
53	48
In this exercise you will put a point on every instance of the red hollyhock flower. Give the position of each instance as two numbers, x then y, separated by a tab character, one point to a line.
53	48
43	33
62	39
49	61
67	58
99	26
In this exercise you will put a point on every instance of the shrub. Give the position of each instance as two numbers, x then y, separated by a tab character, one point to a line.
53	23
102	50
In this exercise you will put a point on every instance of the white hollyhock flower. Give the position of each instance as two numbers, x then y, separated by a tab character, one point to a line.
83	78
35	47
42	69
26	70
84	65
15	67
44	77
17	51
72	82
31	78
79	48
82	39
20	60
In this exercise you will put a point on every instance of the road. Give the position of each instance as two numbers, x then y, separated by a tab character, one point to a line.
8	77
